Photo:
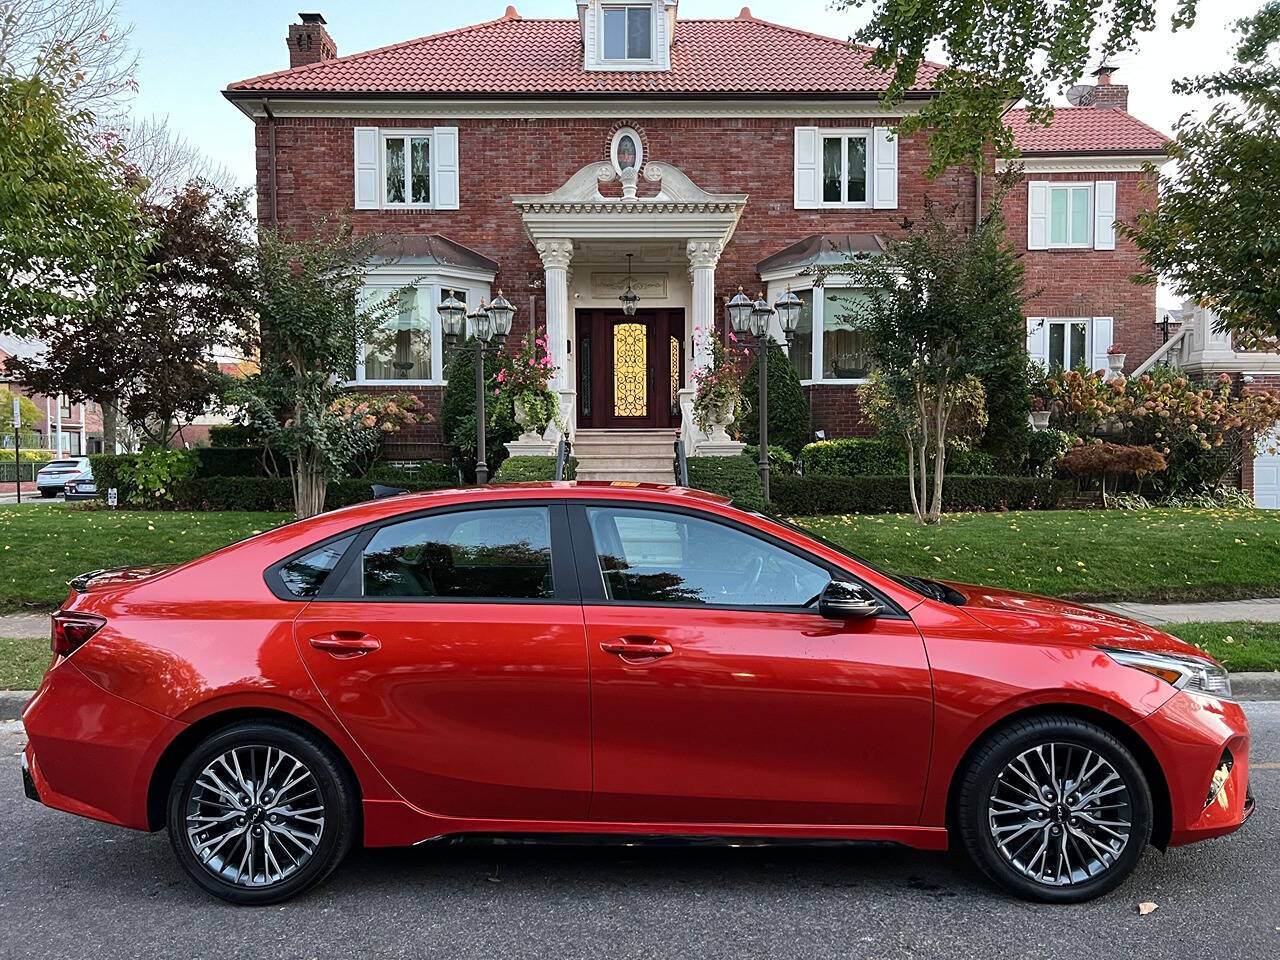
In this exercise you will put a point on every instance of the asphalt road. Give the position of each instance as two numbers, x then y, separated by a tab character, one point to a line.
71	888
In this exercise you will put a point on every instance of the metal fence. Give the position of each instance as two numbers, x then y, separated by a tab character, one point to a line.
27	468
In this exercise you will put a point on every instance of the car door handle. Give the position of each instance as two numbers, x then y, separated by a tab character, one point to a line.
641	647
346	644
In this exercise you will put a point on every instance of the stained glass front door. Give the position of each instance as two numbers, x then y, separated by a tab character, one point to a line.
629	369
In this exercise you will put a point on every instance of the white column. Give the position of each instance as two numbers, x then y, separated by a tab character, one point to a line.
58	408
556	255
703	255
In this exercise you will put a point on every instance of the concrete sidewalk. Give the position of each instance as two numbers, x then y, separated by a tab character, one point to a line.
1266	609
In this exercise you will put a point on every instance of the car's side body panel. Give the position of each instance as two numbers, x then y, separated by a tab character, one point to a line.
730	737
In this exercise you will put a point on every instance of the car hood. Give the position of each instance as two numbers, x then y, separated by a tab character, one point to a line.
1037	619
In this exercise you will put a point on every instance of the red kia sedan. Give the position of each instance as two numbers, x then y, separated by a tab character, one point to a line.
618	660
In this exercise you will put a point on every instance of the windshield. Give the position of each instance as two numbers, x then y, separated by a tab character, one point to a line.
922	585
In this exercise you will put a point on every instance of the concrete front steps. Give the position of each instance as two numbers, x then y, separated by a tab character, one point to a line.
636	456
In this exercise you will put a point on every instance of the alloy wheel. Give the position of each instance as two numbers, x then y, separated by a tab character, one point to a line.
254	816
1060	814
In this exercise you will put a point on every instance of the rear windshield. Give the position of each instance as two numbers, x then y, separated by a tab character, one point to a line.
63	463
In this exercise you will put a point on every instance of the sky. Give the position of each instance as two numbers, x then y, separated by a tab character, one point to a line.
191	51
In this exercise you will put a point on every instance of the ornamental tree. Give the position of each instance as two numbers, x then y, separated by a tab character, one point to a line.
1215	236
308	298
996	53
944	303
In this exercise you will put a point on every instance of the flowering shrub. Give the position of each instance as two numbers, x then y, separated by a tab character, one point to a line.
1200	429
357	423
717	388
524	373
158	473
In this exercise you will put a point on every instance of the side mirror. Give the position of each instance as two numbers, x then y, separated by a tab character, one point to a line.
842	600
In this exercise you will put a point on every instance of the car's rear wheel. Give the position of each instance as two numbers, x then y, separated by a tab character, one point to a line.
260	812
48	493
1055	809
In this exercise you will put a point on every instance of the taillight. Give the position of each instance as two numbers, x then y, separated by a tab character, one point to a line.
70	630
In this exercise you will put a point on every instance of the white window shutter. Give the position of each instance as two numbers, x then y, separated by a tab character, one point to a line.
444	168
884	180
1100	342
366	168
1038	340
807	168
1037	215
1104	215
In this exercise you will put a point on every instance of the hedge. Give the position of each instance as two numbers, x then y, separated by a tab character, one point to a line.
529	469
811	495
737	478
232	435
272	493
853	457
882	456
418	471
235	461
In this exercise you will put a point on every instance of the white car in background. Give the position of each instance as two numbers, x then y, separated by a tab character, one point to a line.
56	474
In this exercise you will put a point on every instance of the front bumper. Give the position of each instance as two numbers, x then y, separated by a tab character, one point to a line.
1189	736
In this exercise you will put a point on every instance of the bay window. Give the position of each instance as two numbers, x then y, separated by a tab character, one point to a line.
827	347
408	348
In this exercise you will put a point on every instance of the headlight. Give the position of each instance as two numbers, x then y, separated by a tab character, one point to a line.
1185	673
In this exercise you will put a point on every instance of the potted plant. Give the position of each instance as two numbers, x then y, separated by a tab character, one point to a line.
1039	414
1115	361
525	371
717	388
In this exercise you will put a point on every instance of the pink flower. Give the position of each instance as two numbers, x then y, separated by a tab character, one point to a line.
732	338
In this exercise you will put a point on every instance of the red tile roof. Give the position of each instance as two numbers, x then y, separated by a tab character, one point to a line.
514	56
1085	130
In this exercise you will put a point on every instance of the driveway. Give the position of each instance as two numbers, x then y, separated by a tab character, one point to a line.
71	888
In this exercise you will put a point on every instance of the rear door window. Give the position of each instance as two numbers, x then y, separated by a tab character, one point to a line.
496	554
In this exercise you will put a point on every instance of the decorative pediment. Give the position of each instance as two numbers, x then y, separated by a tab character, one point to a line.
584	188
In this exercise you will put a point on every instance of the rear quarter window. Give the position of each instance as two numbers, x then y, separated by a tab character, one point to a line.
303	576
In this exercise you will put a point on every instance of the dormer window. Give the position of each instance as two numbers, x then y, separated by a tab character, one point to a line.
628	32
627	35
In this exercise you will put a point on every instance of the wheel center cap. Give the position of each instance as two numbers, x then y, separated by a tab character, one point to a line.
1058	813
255	814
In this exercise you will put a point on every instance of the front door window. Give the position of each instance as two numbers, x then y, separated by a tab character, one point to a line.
630	370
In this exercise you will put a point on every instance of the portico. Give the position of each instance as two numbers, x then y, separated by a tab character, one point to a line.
676	236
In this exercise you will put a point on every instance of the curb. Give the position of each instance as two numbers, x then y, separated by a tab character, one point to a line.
1244	686
12	702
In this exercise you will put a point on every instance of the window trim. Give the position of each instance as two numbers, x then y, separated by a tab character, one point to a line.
591	579
342	584
799	282
844	135
405	133
626	33
1069	186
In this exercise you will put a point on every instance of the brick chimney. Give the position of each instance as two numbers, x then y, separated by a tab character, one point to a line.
309	41
1105	93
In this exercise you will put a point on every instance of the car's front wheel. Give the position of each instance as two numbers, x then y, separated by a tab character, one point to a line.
1055	809
260	812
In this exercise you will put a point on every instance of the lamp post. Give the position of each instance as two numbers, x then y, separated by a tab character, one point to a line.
488	322
746	316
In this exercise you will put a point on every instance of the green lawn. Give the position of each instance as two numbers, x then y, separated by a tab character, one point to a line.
42	546
1237	644
23	662
1159	554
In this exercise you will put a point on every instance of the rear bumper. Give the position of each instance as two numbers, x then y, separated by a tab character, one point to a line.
1191	735
89	752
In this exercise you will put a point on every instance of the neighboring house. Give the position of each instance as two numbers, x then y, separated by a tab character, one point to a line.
64	428
535	155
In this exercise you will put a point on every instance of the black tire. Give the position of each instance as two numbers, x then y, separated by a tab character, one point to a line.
974	801
48	494
333	788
